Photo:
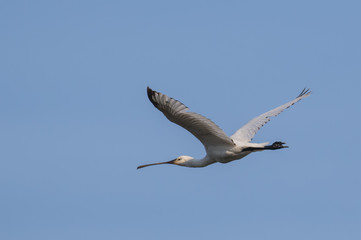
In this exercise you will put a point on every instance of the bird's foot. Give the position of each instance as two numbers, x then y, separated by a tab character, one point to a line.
278	145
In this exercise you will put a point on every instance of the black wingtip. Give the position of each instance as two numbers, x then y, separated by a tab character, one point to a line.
305	91
149	91
150	94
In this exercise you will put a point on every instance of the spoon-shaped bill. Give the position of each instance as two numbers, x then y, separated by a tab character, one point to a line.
147	165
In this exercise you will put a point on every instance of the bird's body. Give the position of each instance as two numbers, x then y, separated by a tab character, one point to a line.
219	147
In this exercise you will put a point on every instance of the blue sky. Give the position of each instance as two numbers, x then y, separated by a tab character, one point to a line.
75	120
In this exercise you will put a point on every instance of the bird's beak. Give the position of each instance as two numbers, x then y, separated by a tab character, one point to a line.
147	165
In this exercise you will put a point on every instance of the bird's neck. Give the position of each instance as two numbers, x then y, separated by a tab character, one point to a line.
199	162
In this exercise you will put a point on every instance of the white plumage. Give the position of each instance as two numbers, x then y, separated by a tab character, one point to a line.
247	132
219	147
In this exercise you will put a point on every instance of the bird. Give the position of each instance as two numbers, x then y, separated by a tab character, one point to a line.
219	147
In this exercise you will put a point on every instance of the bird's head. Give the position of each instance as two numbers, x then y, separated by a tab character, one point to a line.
181	161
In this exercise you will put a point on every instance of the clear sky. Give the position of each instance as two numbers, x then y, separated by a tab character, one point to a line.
75	121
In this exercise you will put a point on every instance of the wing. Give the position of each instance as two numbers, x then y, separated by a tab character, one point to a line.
201	127
247	132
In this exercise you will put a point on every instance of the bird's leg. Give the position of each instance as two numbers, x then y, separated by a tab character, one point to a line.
273	146
276	145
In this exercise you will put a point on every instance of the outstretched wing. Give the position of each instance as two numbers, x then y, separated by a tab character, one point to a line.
247	132
201	127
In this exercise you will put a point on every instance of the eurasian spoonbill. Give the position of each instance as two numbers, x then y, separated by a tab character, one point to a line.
219	147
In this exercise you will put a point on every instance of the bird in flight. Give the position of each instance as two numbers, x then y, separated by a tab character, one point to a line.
219	147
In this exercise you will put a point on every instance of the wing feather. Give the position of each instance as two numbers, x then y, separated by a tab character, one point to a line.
247	132
201	127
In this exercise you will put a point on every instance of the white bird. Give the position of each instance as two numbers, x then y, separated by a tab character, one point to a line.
219	147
